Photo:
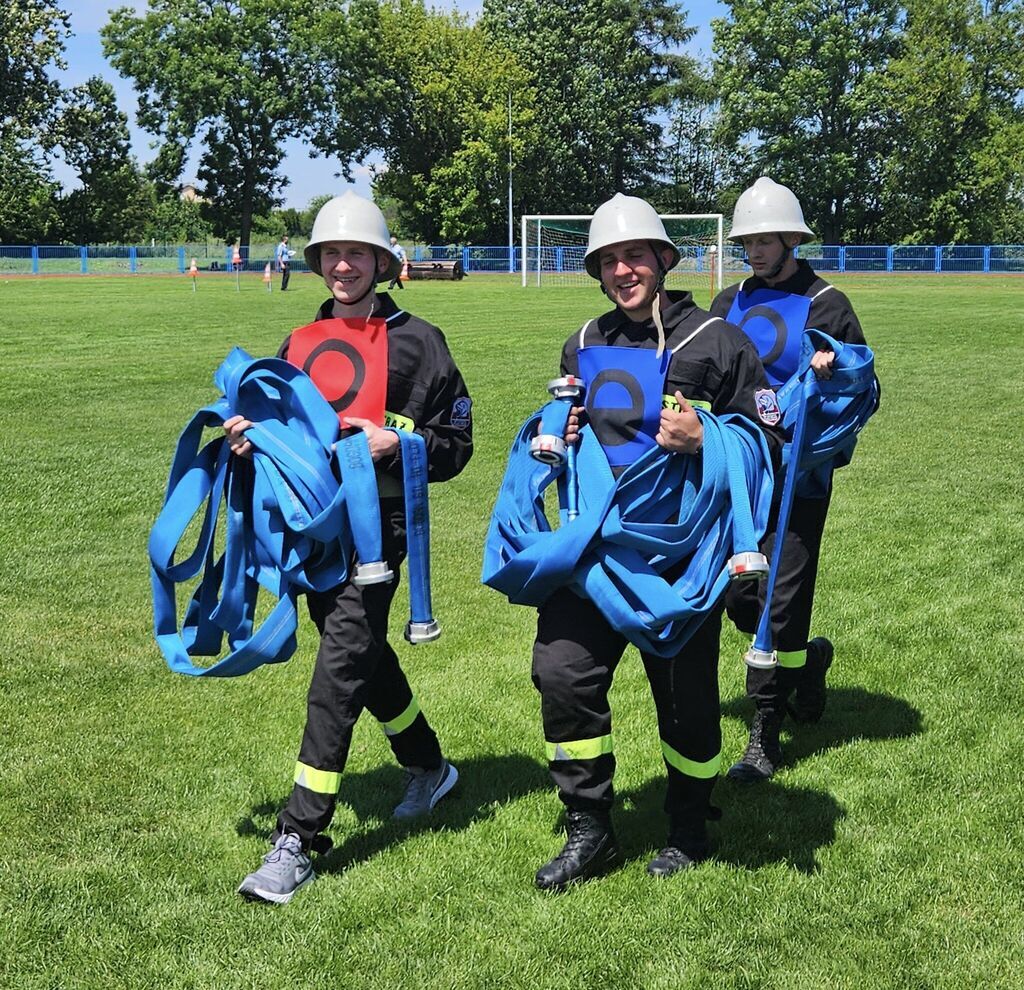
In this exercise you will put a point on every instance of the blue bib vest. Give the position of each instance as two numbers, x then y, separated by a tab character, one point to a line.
775	322
624	398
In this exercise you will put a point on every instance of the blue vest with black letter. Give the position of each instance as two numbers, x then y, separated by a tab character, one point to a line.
624	389
775	322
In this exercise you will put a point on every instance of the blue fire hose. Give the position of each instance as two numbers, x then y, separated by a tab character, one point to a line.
650	549
823	417
290	525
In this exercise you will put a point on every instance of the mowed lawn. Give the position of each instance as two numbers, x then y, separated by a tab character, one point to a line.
887	853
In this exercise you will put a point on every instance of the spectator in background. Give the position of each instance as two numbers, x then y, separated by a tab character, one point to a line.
283	256
399	252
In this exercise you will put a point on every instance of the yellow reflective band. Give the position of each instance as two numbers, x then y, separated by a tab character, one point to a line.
669	402
398	422
403	721
793	659
691	767
321	781
580	749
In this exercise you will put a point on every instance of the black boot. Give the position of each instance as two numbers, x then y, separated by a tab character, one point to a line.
809	699
589	849
764	752
685	849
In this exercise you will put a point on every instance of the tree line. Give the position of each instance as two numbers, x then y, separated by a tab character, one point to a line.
894	122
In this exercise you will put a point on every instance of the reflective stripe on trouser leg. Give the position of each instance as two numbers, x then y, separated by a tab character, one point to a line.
685	691
574	657
321	781
579	749
402	722
792	659
703	770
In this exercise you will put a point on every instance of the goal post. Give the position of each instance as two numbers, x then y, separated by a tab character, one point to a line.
553	249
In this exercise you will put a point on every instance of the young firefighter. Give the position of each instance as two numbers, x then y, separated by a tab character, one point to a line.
773	307
711	364
356	668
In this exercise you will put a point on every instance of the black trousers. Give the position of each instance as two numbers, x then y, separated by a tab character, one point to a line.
574	659
792	603
355	668
286	272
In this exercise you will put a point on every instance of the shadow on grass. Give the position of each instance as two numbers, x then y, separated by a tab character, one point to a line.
761	823
851	715
771	822
485	783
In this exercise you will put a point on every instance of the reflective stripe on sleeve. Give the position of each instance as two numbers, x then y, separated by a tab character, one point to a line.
691	768
403	721
321	781
580	749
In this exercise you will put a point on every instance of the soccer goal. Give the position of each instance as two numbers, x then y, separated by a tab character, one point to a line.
553	248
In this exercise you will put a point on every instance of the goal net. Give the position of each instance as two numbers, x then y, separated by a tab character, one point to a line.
553	248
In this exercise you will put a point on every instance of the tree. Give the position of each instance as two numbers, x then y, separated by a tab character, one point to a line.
445	139
28	196
800	85
601	71
177	221
32	34
114	201
958	130
699	170
233	74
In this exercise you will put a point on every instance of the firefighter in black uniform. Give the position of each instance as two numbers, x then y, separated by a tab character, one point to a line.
774	306
710	364
356	668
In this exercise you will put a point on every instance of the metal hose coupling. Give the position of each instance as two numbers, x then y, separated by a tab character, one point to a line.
761	659
748	566
422	632
547	447
372	572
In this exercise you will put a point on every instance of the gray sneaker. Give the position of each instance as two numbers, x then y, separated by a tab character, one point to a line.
285	869
425	789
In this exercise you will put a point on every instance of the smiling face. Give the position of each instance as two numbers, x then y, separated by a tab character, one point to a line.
764	251
350	269
630	276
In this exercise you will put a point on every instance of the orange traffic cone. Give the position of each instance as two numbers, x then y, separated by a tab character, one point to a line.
193	271
266	277
405	271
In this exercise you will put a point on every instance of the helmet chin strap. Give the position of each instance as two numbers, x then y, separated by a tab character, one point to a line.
656	302
783	258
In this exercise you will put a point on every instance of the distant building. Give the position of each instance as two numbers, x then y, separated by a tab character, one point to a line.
188	192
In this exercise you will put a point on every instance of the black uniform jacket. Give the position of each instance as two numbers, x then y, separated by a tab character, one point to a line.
830	311
718	368
424	386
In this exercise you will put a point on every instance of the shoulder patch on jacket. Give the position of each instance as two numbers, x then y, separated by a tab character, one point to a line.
767	406
461	409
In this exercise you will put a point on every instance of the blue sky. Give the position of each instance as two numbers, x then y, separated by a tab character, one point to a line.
309	176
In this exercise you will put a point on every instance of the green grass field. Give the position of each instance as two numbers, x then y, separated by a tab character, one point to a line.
887	853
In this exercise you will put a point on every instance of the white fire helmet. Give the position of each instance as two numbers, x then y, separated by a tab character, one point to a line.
624	218
768	208
349	217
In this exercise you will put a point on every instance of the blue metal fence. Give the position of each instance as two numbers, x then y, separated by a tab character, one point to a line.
169	259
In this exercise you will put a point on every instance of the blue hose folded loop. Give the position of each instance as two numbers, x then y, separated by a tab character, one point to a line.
288	528
650	549
823	418
422	626
838	409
